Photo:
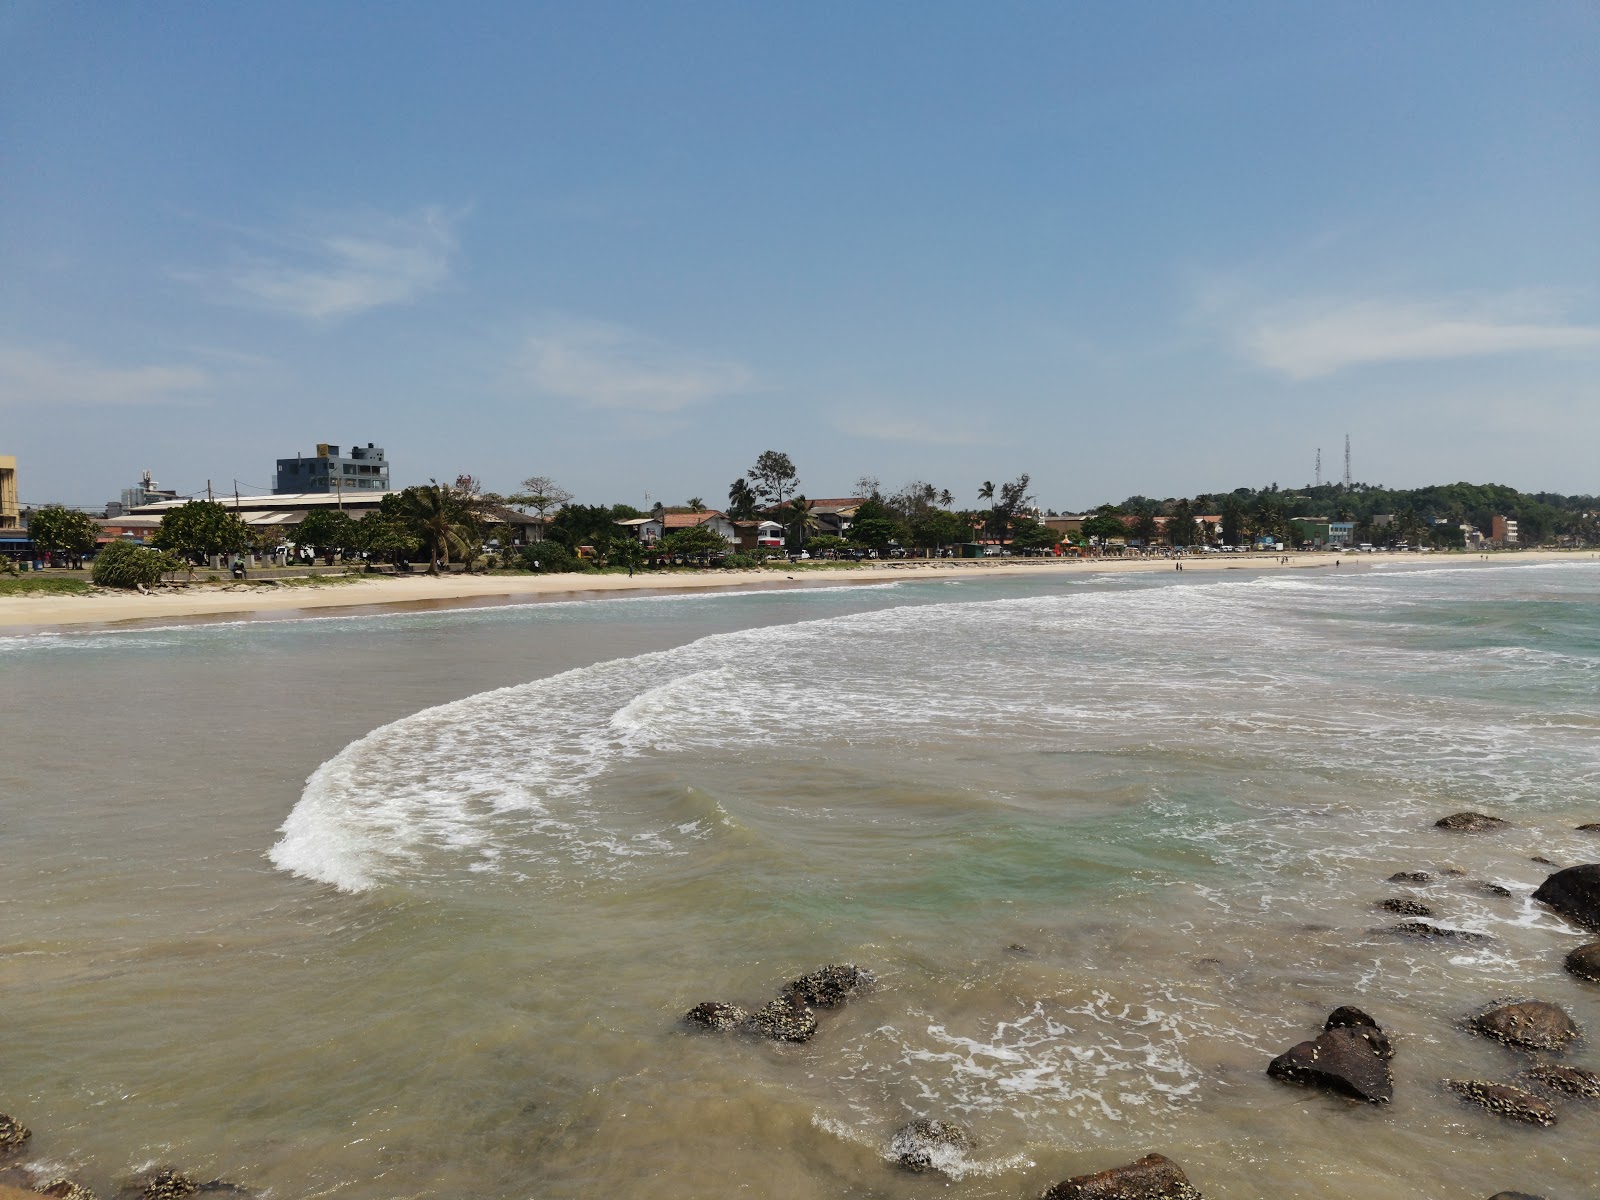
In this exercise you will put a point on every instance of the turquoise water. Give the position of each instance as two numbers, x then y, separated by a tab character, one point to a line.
409	904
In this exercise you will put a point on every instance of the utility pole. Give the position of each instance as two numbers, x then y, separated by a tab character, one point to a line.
209	496
1347	462
341	492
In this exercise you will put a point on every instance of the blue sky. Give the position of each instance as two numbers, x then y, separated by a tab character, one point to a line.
1129	248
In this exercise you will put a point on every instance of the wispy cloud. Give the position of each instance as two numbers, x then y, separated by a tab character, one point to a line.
607	366
1316	339
919	432
338	267
58	377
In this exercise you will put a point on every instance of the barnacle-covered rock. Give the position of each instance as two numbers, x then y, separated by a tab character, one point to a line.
1527	1024
1472	822
713	1014
1153	1177
929	1145
832	985
785	1019
1504	1100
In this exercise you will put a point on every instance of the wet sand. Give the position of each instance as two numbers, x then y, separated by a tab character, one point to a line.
23	613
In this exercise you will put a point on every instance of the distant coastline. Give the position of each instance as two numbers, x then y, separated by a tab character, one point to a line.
21	614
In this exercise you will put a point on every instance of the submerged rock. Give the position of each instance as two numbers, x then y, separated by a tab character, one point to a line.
929	1145
1591	827
832	985
1504	1100
1421	929
1153	1177
65	1189
1350	1057
1528	1024
785	1019
1574	893
1411	877
1515	1196
1584	962
1494	889
713	1014
1542	860
12	1133
169	1185
1573	1081
1406	908
1471	822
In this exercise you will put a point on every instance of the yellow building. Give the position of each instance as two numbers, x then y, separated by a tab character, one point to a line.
10	514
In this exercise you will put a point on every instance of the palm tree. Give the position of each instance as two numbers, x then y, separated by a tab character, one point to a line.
742	500
986	492
801	519
432	514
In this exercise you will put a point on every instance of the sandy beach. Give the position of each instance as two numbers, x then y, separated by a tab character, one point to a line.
21	613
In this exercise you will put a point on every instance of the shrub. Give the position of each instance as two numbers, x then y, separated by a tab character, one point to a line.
553	559
124	565
742	560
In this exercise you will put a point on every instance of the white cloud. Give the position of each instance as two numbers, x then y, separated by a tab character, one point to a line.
606	366
345	267
57	378
1314	340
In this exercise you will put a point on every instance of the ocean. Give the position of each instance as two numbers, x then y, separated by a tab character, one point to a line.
412	903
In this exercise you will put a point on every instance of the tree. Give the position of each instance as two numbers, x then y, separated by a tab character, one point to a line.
876	525
696	504
1104	524
585	525
540	493
626	552
800	521
774	477
1013	499
327	530
125	565
938	527
868	487
1180	525
697	541
1145	528
1233	519
432	515
1028	534
62	530
201	528
827	544
742	500
986	490
383	536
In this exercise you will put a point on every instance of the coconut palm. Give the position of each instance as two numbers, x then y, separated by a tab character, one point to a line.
432	514
800	519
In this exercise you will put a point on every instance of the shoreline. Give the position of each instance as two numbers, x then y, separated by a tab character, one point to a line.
46	612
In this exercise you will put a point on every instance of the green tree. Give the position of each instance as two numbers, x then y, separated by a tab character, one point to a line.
1028	534
1105	523
201	528
827	544
876	525
1233	520
798	518
626	552
327	530
938	528
742	500
125	565
774	477
697	541
431	515
1181	531
696	504
384	537
1145	528
62	530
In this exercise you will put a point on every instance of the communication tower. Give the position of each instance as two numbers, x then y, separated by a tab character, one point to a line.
1347	462
1319	466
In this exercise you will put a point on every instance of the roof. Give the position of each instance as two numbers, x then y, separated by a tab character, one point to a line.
839	502
352	499
636	521
688	520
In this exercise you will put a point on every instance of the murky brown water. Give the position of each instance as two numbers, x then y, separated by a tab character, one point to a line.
1110	847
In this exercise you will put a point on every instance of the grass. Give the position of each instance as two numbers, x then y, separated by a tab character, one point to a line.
42	585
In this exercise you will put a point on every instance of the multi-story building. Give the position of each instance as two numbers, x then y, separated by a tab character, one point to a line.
364	469
1503	531
10	510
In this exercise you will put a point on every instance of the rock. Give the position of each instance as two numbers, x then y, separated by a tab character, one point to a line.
1504	1100
1591	827
831	986
169	1185
1453	872
1529	1024
1514	1196
1574	1081
1348	1016
1411	877
1494	889
1350	1058
925	1144
1406	908
785	1019
713	1014
1153	1177
1584	962
65	1189
1470	822
1542	860
1421	929
1574	893
12	1133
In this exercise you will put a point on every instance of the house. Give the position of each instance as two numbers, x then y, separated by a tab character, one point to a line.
644	530
1067	525
758	534
672	520
834	515
10	513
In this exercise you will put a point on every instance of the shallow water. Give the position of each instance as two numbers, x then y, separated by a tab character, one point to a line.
1111	843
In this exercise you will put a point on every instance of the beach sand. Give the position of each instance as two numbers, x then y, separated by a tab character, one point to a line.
21	613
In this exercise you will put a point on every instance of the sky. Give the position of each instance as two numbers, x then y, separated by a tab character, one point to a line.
1153	248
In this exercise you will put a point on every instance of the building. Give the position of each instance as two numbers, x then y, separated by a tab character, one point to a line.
146	491
710	518
759	534
1503	531
362	470
835	515
644	530
1340	532
10	510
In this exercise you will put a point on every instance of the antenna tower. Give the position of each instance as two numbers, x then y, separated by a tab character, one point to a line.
1347	462
1319	466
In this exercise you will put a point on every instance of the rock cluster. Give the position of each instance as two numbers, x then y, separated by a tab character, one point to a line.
65	1189
169	1184
1406	908
789	1018
1526	1024
1505	1100
12	1133
1411	877
1153	1177
926	1144
1471	822
1570	1081
1574	893
1351	1057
